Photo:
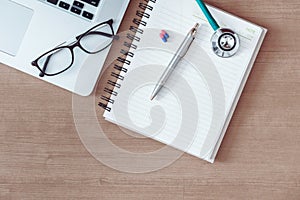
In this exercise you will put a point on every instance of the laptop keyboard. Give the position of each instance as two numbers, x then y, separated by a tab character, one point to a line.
82	8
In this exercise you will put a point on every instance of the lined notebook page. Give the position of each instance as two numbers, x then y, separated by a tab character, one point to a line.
202	86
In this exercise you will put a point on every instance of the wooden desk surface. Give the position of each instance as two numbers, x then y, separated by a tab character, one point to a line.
42	157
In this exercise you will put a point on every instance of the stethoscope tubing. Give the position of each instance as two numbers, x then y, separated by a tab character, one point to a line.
208	15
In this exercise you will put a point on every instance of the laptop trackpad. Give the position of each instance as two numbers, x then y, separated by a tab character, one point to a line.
14	21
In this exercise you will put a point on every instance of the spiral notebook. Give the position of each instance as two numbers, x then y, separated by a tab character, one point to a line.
194	109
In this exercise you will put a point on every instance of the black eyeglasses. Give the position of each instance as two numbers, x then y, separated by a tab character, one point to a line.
61	58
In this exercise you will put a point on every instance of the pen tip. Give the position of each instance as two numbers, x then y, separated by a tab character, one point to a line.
151	98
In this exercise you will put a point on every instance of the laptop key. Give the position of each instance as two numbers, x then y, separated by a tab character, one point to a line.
78	4
53	1
75	10
64	5
82	8
87	15
92	2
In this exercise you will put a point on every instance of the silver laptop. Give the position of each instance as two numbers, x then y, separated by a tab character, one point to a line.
29	28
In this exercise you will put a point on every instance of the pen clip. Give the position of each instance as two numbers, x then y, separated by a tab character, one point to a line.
192	38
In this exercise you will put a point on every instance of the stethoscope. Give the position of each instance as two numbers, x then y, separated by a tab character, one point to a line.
225	42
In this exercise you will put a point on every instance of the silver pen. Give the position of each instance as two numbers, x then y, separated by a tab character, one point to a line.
181	52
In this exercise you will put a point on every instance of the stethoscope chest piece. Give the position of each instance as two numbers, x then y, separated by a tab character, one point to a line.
225	42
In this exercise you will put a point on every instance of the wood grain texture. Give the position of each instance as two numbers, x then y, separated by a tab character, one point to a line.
42	157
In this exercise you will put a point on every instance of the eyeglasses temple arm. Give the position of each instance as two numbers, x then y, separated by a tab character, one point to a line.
95	33
42	74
